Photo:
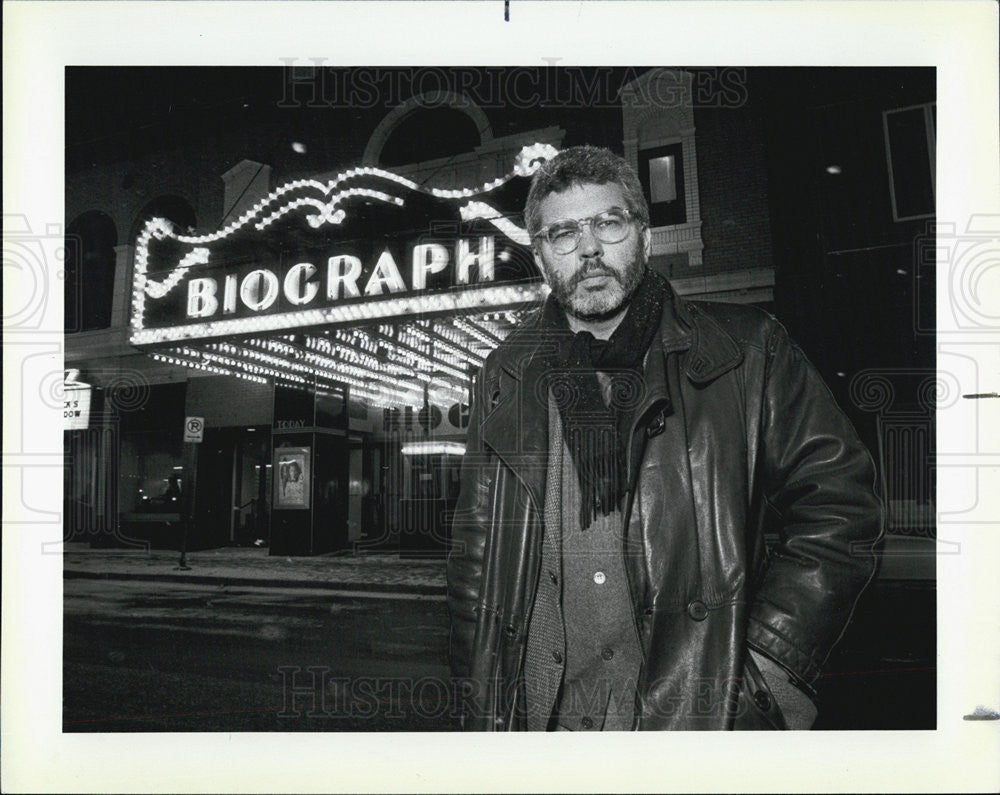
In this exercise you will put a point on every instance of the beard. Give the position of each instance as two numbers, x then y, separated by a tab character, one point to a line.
590	305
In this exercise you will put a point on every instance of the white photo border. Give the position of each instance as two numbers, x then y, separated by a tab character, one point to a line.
959	38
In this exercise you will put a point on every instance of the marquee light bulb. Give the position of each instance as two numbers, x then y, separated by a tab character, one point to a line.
525	164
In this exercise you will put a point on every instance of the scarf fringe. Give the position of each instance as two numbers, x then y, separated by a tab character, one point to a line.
595	432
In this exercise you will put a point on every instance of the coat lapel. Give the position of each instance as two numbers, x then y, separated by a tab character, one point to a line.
517	426
712	351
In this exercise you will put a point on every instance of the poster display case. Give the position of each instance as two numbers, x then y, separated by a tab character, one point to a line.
292	478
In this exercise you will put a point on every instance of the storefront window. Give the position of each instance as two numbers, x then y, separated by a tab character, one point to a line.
153	476
157	481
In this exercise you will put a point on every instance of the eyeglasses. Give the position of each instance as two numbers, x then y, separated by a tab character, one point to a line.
611	226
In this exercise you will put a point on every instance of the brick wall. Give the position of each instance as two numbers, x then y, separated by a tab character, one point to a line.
671	265
732	183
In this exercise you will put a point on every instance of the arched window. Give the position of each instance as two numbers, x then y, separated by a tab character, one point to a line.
173	208
90	272
427	127
428	134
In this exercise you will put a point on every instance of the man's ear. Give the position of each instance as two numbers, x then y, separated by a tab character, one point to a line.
647	242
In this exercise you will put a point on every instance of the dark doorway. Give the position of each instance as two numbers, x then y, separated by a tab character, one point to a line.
232	503
330	509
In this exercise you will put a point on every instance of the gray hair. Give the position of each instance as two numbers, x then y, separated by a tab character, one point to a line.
582	165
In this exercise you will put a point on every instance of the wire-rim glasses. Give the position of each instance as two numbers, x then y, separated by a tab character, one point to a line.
611	226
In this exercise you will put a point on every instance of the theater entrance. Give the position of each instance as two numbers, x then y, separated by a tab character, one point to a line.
232	501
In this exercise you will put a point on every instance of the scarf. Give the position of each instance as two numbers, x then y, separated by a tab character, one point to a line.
595	431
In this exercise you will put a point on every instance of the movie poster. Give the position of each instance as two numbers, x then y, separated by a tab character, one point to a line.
292	477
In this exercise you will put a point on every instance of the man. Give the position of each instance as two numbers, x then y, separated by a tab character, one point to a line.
626	452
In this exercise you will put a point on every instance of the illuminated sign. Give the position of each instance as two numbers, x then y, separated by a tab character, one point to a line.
364	246
76	402
434	448
343	276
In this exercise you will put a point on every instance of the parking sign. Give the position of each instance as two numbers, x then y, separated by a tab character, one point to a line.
194	429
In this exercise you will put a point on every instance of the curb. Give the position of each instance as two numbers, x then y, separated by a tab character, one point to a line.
259	582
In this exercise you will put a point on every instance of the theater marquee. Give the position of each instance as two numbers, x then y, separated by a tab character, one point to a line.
366	279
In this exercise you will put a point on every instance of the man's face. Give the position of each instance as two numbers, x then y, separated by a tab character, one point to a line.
596	279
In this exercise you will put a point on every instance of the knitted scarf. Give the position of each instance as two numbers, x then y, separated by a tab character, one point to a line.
596	431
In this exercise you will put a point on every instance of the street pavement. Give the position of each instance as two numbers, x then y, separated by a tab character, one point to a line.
249	642
383	572
245	641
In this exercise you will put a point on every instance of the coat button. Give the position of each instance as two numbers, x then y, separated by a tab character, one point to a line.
762	700
557	656
511	632
607	654
697	610
587	723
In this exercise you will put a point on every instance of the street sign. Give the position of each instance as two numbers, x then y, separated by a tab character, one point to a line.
194	429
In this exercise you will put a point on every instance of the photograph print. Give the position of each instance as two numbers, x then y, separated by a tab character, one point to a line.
535	398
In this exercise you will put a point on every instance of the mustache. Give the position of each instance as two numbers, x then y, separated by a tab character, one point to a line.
596	269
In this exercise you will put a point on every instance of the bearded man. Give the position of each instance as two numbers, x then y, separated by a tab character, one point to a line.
626	452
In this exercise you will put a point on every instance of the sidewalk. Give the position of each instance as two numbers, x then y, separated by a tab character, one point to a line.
382	572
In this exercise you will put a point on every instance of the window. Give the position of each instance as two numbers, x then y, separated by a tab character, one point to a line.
175	209
428	134
910	139
151	465
662	179
661	172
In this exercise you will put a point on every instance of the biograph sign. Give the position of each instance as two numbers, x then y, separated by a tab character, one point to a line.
365	246
343	276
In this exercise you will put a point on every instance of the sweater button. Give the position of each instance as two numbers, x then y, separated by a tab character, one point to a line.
607	654
557	656
599	577
762	700
697	610
587	723
553	578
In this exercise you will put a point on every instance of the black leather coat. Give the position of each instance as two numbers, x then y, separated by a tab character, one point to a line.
735	434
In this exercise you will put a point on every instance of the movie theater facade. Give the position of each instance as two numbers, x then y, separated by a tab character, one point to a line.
297	371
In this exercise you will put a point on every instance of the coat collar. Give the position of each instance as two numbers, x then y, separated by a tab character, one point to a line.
517	430
685	326
711	350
